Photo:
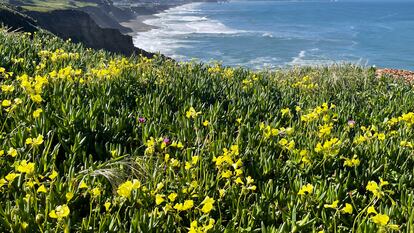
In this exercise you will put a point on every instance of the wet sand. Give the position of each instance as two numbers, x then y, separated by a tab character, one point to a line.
138	25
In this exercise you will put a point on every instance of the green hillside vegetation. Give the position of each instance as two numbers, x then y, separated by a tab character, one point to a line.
50	5
95	142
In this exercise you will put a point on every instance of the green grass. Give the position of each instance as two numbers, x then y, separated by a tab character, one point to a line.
257	143
50	5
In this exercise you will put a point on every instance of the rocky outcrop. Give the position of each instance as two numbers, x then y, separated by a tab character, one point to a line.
80	27
399	74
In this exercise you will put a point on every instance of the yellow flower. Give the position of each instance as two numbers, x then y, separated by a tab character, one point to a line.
96	192
18	101
333	205
187	166
371	210
172	197
29	184
53	175
42	189
374	188
36	98
175	162
237	164
107	205
2	182
180	145
352	162
6	103
306	189
285	111
222	192
325	130
207	205
37	112
347	209
209	226
194	159
25	167
226	174
60	212
35	141
191	113
381	136
1	152
125	189
159	198
136	184
12	152
7	88
83	185
239	181
383	182
178	206
11	176
283	142
194	227
38	141
205	123
188	204
69	196
249	180
239	172
380	219
253	187
24	225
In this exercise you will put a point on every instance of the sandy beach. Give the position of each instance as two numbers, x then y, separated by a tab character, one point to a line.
138	25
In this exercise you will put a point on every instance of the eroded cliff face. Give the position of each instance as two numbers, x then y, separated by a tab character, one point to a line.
16	21
80	27
74	24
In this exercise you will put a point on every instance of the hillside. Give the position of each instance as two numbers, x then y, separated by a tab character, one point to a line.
96	142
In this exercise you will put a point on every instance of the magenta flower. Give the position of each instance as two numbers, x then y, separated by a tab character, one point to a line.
351	123
141	120
167	141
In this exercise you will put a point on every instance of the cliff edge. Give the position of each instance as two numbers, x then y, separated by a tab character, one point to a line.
80	27
74	24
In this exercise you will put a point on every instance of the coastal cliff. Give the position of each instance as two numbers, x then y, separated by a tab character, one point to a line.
74	24
80	27
15	20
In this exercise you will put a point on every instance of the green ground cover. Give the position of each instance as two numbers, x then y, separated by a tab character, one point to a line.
95	142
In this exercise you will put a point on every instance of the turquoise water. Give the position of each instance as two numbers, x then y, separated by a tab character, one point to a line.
272	34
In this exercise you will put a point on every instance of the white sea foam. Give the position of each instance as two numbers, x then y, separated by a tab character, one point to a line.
311	58
173	28
299	59
267	34
263	63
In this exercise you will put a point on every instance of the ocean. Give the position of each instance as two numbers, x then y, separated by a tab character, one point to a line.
275	34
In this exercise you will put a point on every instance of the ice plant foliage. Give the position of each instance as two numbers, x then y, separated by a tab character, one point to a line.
96	142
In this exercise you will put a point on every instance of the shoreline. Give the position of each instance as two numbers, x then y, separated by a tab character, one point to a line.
144	13
137	24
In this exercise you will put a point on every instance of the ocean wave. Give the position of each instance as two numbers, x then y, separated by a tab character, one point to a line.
299	58
174	25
